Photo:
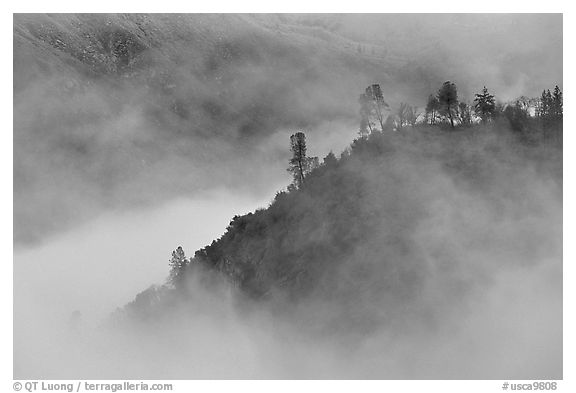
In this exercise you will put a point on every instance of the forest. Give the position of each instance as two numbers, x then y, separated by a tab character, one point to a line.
352	227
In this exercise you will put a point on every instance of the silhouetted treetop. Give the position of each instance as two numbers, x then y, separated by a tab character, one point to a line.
300	164
484	105
448	100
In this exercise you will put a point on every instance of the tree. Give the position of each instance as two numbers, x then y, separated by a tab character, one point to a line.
389	124
526	104
365	125
544	106
541	107
549	101
298	160
313	163
177	264
549	107
380	106
557	104
300	164
518	115
330	159
366	110
465	114
432	108
484	105
373	109
448	99
402	116
412	115
406	115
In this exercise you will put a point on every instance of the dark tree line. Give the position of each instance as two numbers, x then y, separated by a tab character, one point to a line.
550	106
523	116
445	108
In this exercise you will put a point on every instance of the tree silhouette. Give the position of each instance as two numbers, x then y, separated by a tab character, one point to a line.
406	115
546	108
177	264
402	116
557	104
465	114
300	164
373	109
366	126
432	107
448	99
517	115
412	115
484	105
330	159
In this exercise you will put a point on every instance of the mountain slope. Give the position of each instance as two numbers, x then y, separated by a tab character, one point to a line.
404	225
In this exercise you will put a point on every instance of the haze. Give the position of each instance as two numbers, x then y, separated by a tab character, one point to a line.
123	153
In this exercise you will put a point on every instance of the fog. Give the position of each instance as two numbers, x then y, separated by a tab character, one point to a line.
124	111
477	295
123	154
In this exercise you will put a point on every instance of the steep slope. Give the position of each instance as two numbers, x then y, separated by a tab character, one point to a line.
403	227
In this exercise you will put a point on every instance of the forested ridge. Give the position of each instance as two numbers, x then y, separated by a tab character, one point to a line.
372	223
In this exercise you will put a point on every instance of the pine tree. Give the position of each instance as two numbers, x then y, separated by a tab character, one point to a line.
544	105
300	164
330	159
550	103
557	104
298	160
485	105
177	264
412	115
546	108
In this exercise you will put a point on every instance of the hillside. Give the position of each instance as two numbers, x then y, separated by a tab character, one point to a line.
405	225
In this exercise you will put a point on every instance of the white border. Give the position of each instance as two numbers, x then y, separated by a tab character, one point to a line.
294	6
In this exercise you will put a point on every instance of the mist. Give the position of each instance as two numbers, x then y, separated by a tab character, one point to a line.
478	293
125	111
135	134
